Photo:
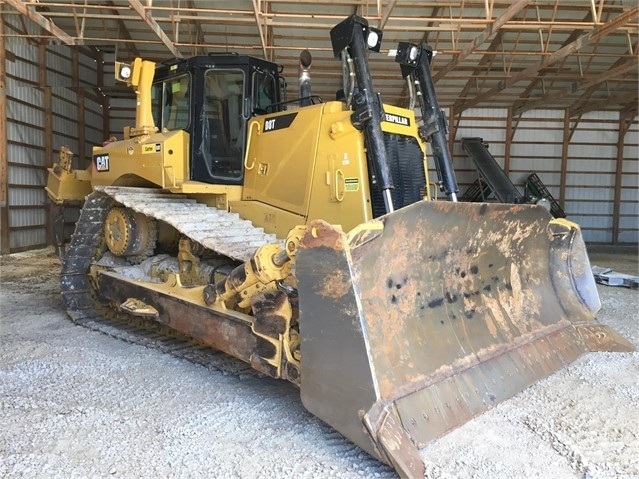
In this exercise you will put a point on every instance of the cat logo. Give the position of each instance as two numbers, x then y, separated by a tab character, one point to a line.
101	162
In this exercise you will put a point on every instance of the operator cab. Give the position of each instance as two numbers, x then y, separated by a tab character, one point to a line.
212	98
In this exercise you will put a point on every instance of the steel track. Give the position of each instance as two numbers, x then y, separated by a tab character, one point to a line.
82	303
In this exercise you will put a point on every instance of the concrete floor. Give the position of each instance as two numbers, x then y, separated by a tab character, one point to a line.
76	403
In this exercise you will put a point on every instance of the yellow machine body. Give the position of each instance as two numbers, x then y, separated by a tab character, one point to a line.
323	153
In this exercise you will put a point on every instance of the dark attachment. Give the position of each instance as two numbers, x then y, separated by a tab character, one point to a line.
415	61
356	36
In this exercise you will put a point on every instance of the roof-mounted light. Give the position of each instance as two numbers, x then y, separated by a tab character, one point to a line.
373	39
408	54
413	53
123	71
343	35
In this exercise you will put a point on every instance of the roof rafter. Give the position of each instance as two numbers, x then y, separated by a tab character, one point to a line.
479	42
199	33
486	60
260	29
386	14
519	104
42	21
582	41
509	13
150	21
629	111
621	67
590	86
130	46
606	102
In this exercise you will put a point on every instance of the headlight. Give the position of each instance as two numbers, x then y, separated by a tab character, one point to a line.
412	54
373	39
125	72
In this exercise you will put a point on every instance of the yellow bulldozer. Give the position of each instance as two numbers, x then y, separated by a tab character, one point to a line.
299	236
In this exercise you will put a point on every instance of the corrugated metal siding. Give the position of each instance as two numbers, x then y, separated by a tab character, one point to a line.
25	120
592	160
121	114
629	207
93	127
65	124
28	209
537	145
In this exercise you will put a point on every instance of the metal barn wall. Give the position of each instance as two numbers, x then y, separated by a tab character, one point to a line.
121	114
50	102
26	205
629	194
121	100
592	159
629	180
577	159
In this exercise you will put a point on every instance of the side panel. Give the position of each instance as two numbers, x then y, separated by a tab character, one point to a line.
160	159
280	159
341	192
336	377
309	162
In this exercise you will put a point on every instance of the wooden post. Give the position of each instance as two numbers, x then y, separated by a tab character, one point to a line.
52	210
564	160
452	131
106	123
5	243
79	91
624	126
509	140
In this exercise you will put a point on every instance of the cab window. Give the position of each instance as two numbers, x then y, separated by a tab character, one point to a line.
171	103
222	123
264	92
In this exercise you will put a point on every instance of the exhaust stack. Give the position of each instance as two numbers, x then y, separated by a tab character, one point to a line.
305	78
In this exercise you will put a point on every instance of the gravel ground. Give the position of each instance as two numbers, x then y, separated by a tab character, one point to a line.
77	403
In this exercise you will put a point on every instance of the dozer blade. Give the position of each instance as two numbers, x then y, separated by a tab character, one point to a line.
413	324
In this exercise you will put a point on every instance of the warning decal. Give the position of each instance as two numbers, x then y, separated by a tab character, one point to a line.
351	184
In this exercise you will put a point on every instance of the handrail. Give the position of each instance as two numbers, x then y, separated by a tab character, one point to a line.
248	145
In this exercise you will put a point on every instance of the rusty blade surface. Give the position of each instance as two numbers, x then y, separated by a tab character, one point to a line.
446	286
450	309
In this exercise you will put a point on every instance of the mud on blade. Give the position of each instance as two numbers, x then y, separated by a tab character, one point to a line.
416	323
